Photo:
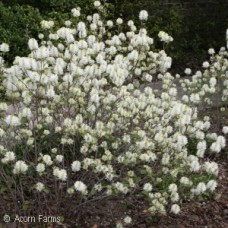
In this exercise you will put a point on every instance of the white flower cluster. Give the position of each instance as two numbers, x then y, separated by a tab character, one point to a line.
39	187
76	12
4	47
165	37
209	86
225	130
80	186
86	115
97	4
61	174
47	24
143	15
9	156
20	167
12	120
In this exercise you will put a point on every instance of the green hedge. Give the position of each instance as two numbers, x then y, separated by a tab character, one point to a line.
194	28
17	25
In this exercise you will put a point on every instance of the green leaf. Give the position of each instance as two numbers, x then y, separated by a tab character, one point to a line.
26	205
62	219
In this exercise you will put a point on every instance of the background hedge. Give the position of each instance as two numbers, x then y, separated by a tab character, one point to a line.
195	25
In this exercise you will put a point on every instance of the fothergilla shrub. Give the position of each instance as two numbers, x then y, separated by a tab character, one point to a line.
209	87
84	124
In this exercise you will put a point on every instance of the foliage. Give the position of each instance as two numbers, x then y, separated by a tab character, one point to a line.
195	27
161	17
17	25
47	6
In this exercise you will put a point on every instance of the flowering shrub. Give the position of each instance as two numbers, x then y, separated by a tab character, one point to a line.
210	87
213	80
81	127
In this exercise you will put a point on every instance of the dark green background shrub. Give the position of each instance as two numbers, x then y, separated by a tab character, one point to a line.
195	27
17	25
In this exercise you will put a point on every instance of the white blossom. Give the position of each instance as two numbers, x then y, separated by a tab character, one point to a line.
61	174
39	187
4	47
75	12
119	21
225	130
97	4
127	220
59	158
80	186
33	44
188	71
143	15
12	120
172	187
211	185
40	167
147	187
165	37
175	209
9	156
20	167
47	160
76	166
